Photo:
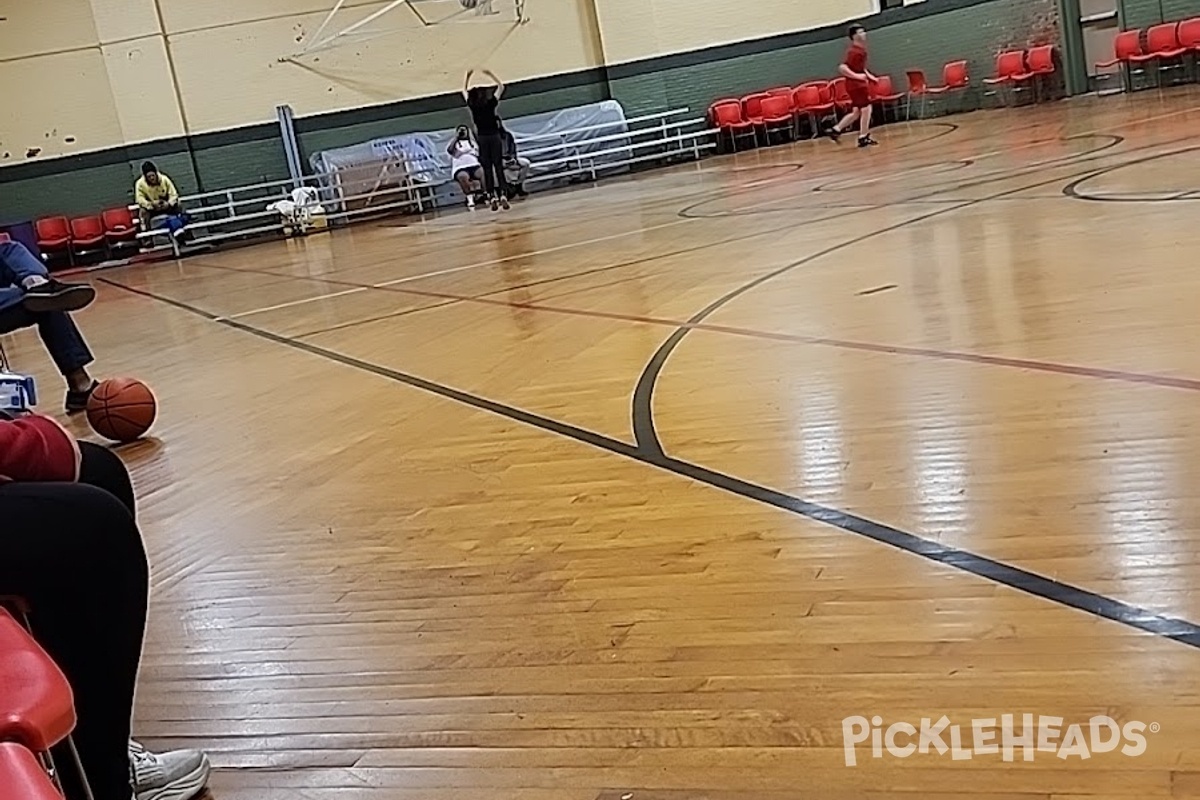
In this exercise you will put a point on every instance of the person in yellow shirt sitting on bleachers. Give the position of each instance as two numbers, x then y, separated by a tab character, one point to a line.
157	196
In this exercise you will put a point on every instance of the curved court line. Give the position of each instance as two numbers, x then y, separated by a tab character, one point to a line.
1064	594
986	178
937	168
1072	189
642	411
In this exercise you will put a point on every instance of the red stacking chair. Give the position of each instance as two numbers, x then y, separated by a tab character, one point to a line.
1010	72
777	115
918	86
54	236
1041	63
884	92
1162	45
807	100
119	227
956	77
1127	53
37	707
1189	36
727	117
782	91
87	234
22	777
752	106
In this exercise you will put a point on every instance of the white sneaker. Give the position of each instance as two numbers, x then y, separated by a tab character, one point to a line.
176	775
470	201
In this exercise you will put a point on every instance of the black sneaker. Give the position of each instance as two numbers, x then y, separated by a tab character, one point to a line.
55	296
495	204
77	401
866	141
831	131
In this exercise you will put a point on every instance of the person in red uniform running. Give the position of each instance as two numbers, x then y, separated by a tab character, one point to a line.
858	86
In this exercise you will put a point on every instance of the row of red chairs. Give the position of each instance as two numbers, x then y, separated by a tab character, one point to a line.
1016	68
783	107
112	228
37	711
1168	42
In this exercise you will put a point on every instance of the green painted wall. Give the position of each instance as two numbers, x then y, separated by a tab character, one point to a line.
976	33
1143	13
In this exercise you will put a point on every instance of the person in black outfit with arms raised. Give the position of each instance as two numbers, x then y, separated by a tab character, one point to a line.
483	102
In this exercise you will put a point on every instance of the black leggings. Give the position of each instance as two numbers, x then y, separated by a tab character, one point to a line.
491	158
73	552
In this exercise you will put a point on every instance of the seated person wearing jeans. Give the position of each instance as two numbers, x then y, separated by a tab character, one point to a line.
70	549
157	196
30	297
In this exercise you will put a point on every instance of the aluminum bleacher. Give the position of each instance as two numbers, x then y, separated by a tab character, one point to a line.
404	184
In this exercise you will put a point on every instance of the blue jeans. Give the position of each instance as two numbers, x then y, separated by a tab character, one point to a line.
17	264
62	339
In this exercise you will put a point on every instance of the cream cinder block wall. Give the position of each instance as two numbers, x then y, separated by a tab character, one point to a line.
226	55
637	29
121	20
52	71
143	92
90	75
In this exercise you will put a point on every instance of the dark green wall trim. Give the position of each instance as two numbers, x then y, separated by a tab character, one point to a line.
136	153
446	102
249	133
784	41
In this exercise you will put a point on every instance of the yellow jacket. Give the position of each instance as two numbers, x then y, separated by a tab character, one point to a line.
152	198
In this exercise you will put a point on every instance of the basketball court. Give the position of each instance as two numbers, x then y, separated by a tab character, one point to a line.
639	491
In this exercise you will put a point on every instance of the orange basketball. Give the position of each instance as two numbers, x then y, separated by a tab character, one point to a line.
122	409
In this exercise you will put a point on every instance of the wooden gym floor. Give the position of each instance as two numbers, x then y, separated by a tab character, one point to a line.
639	490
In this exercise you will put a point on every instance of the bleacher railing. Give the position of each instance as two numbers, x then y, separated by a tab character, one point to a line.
240	211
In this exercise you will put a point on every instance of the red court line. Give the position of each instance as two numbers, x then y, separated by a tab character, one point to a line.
1100	373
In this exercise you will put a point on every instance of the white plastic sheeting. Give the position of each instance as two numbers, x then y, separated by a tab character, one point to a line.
553	141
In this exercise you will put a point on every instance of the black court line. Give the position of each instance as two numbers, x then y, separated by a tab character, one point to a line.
1065	594
1073	159
1072	189
877	290
642	411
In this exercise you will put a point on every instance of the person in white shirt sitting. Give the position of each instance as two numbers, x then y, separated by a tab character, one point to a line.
464	164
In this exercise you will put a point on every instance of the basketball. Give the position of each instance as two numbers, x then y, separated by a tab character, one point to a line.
122	409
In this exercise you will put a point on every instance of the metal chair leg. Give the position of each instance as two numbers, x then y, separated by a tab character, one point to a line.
87	789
